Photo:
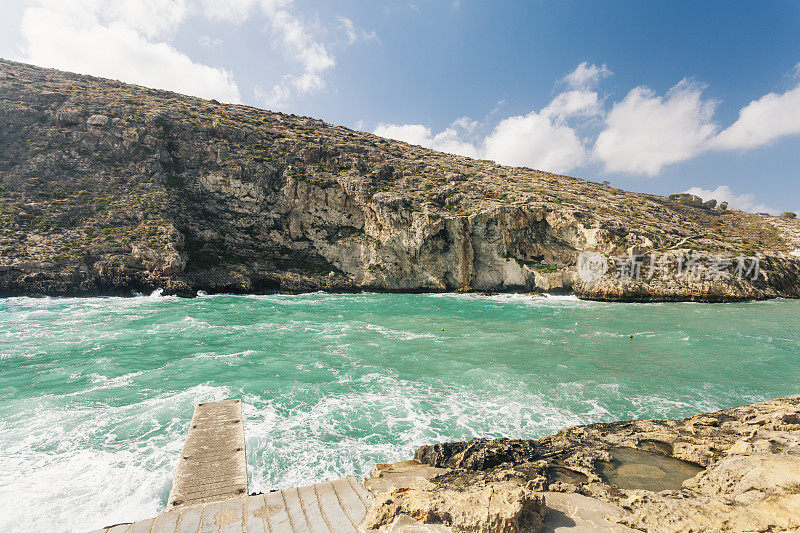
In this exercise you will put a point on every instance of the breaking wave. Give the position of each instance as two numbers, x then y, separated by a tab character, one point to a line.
96	394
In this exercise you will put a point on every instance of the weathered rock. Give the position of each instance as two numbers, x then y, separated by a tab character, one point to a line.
749	480
108	188
478	454
97	120
577	513
404	491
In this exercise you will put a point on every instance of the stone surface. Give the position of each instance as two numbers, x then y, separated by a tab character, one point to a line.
575	513
750	480
212	465
405	499
333	507
108	188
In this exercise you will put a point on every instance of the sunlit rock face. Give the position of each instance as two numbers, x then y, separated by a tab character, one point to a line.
732	470
107	188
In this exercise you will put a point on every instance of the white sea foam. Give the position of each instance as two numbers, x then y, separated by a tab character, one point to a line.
387	417
332	384
81	468
398	334
546	300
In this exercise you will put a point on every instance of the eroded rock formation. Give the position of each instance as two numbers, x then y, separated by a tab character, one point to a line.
733	470
108	188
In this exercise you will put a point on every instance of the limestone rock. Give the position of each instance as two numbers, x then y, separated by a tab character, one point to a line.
403	493
745	474
149	189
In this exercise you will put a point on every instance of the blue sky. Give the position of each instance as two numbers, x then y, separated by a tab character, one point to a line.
654	96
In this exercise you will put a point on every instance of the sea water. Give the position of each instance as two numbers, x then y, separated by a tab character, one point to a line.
96	394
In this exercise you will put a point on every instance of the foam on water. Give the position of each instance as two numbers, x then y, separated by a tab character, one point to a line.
96	394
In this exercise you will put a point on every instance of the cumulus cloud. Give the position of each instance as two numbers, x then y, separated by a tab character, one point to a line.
541	139
762	121
131	40
644	132
546	139
640	134
115	40
151	18
723	193
535	140
574	104
450	140
586	75
277	96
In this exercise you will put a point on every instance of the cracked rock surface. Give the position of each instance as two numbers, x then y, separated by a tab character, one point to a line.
737	470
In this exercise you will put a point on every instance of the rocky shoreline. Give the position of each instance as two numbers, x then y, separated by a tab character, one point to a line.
731	470
108	188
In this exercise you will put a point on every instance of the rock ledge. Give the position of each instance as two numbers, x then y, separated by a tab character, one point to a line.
732	470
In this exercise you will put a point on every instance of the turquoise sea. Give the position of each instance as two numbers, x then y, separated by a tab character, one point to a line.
96	394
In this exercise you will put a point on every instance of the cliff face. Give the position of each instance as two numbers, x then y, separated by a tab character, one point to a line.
107	188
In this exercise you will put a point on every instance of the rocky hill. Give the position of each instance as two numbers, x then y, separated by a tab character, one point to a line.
108	188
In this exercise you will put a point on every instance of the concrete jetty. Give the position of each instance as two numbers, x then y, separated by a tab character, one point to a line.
209	491
212	466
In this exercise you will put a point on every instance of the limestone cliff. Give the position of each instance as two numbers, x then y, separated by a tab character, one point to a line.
108	188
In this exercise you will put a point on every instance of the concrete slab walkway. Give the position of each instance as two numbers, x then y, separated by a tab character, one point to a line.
332	507
212	466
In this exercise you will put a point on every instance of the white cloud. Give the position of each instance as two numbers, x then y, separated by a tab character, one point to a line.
297	41
641	134
586	75
644	132
466	124
355	34
276	97
446	141
410	133
535	140
545	139
130	40
152	18
542	140
723	193
762	121
233	11
574	104
92	38
209	42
